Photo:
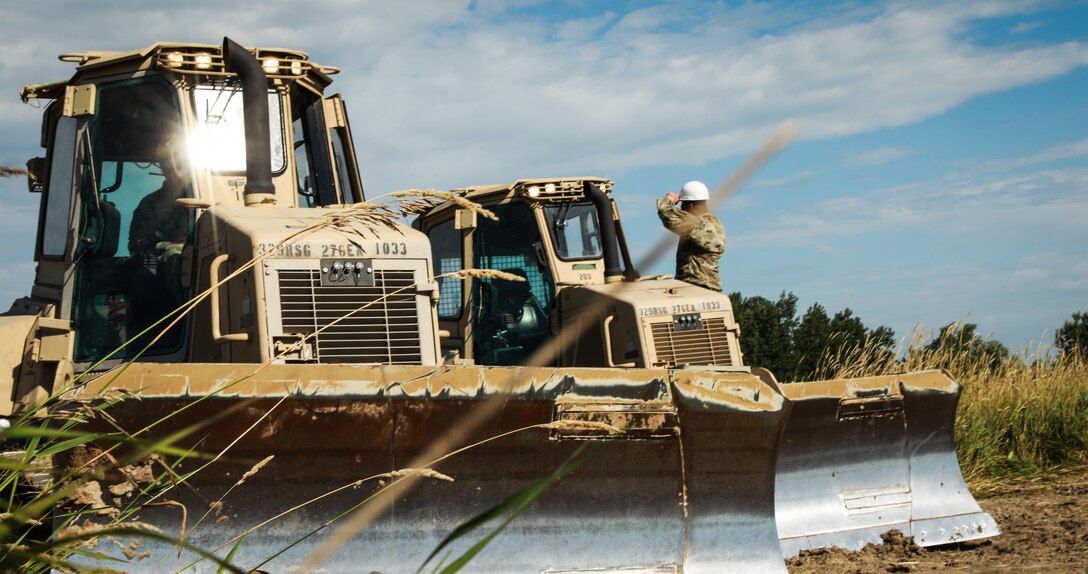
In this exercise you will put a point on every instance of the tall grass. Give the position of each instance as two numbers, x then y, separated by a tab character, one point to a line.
1029	417
1021	416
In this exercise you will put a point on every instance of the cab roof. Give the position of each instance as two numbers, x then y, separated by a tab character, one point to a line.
182	58
547	189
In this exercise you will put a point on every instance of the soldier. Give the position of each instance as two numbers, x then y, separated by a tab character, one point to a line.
159	227
156	236
702	238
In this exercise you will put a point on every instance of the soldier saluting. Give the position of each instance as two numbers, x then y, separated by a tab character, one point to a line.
702	238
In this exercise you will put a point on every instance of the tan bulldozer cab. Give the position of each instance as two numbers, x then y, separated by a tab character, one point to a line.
565	238
149	196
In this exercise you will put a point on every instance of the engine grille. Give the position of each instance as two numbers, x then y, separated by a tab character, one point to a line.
708	345
385	331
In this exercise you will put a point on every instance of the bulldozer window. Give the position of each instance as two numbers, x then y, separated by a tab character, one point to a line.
57	203
219	141
343	153
131	169
313	163
575	232
511	317
307	197
447	257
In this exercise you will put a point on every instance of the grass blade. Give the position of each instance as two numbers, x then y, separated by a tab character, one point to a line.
513	505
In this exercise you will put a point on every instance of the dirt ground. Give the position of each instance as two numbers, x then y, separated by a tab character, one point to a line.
1044	529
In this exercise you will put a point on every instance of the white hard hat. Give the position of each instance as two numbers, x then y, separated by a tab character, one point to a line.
694	191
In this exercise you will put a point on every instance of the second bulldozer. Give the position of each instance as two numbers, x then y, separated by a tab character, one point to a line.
329	345
857	458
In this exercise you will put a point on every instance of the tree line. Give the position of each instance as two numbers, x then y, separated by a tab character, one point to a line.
816	344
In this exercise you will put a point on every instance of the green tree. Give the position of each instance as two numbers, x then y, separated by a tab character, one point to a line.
958	344
847	332
810	342
1071	338
798	349
766	330
848	345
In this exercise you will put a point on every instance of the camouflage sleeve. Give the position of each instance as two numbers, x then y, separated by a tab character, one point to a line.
709	236
675	220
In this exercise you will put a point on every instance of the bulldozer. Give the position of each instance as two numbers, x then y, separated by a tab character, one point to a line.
206	260
857	456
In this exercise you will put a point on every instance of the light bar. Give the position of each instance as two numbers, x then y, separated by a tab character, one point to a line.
175	59
212	63
559	190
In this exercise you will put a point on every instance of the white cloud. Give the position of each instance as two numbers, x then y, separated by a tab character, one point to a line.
1024	27
787	181
452	93
1050	201
1054	153
1033	274
878	156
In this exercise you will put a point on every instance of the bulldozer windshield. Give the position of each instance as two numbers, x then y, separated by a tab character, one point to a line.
575	231
218	141
511	316
131	170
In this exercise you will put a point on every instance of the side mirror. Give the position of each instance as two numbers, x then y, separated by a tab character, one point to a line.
35	175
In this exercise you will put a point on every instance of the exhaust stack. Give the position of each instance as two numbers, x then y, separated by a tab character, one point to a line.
259	188
612	271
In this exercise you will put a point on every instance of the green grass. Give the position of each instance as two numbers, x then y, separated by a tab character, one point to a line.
1023	420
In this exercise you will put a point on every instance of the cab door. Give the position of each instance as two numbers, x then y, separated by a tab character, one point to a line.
129	232
510	318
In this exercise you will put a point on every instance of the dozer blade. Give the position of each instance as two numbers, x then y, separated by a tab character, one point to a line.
686	485
864	456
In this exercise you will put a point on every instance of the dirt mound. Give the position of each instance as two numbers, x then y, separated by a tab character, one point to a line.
1044	529
898	553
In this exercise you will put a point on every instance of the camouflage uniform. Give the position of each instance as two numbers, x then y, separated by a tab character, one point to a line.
702	242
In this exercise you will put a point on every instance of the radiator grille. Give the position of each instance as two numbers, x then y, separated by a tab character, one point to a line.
385	331
706	346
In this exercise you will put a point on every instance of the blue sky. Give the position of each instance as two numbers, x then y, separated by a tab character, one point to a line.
941	172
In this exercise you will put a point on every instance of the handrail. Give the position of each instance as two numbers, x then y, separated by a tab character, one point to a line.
608	343
213	276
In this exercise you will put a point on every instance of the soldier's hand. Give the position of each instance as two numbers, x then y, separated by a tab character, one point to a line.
166	248
673	196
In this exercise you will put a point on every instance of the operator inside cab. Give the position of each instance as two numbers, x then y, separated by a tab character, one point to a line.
702	238
159	227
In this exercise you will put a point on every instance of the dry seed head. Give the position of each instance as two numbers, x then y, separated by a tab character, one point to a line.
13	172
370	215
483	274
423	472
582	425
255	468
415	206
29	521
447	196
91	527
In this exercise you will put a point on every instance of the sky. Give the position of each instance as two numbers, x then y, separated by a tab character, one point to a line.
940	173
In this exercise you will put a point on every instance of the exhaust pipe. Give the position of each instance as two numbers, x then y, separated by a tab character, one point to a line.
255	102
612	271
